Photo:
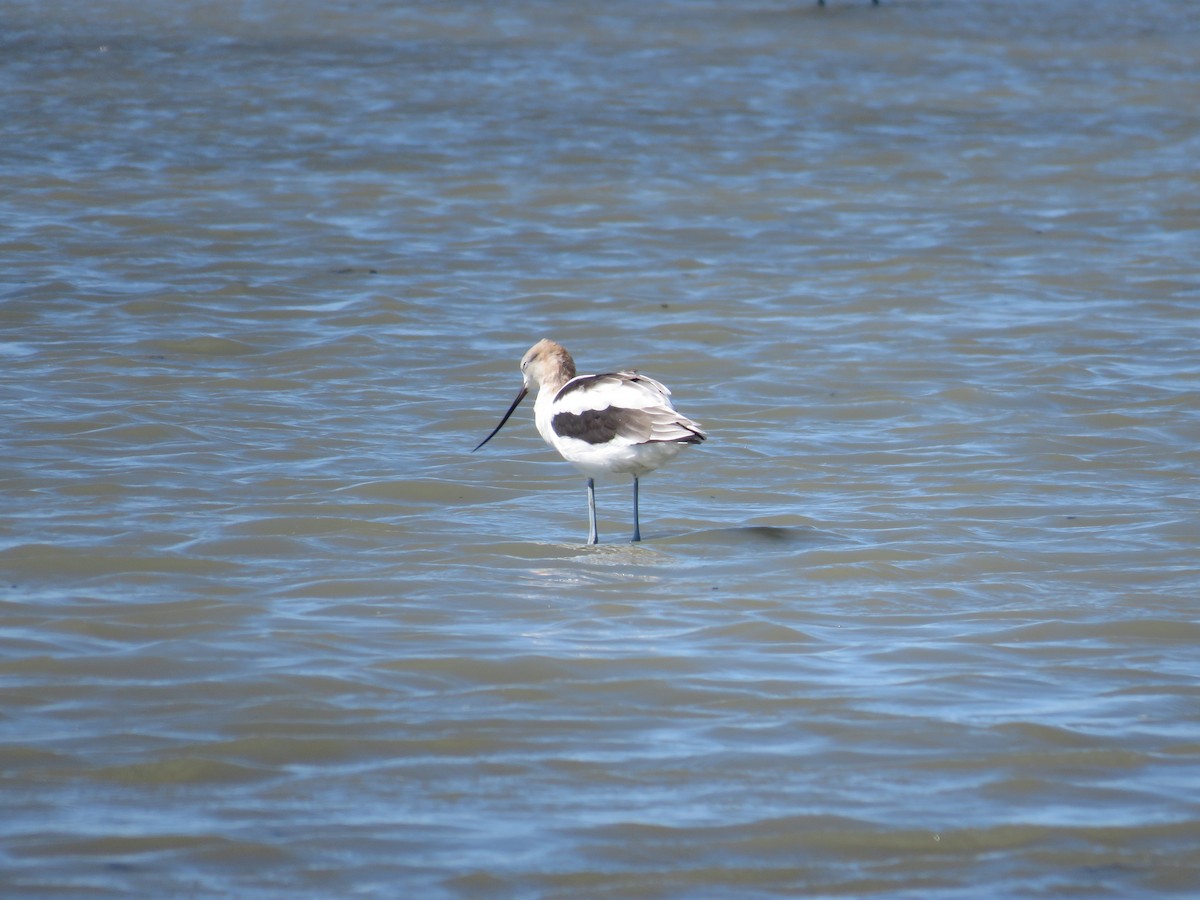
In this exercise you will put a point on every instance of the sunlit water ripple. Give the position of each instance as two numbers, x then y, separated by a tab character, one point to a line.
919	620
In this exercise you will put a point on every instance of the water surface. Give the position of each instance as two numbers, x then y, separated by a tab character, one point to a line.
919	620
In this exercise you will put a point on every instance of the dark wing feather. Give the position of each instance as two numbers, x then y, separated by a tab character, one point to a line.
636	409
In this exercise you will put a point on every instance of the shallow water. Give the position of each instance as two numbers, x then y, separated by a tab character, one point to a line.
919	619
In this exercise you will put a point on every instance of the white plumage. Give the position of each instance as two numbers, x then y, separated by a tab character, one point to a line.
617	423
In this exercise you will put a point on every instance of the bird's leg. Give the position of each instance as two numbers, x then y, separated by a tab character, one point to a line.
637	531
593	537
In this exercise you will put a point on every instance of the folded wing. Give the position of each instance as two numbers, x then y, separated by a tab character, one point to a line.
621	406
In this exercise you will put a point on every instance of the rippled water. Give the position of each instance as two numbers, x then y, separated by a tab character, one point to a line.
919	620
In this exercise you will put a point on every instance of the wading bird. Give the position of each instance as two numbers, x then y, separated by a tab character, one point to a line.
618	423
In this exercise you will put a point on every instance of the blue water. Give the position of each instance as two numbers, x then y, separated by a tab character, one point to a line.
918	620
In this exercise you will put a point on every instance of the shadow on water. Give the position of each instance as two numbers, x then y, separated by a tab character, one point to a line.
774	538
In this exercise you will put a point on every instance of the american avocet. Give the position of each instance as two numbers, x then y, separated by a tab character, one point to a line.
619	423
